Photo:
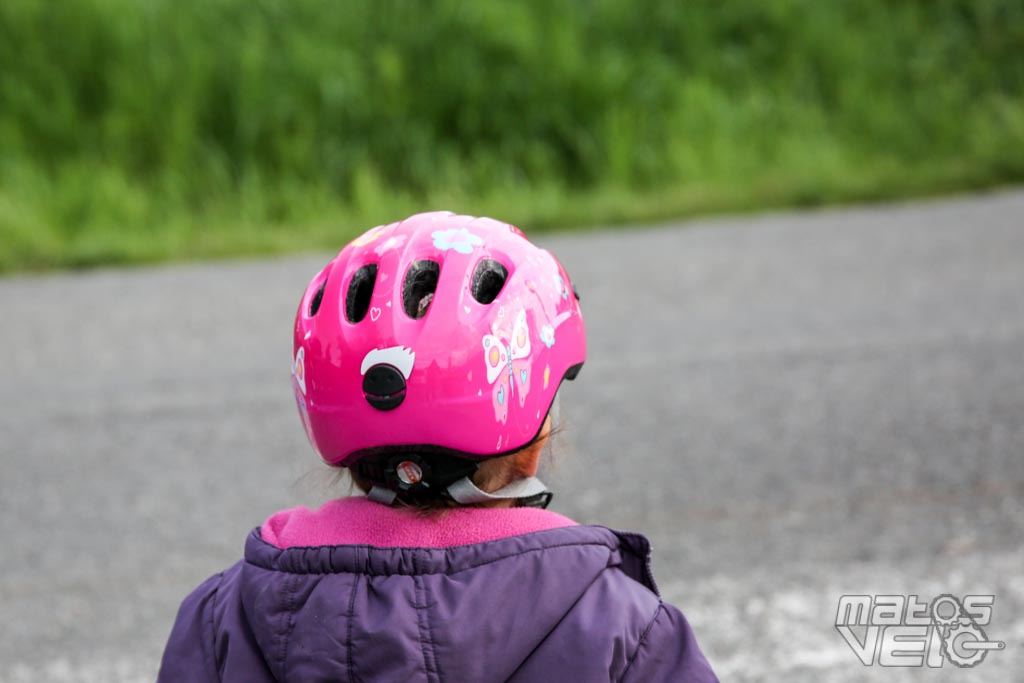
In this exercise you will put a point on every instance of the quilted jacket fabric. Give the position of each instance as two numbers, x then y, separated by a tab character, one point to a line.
568	604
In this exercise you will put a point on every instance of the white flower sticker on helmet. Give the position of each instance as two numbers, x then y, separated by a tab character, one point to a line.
398	357
459	239
547	335
299	369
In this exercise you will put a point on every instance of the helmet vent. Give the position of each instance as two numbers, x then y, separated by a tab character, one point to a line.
314	303
419	287
488	279
360	289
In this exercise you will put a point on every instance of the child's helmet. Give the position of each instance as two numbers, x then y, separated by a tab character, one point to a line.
439	334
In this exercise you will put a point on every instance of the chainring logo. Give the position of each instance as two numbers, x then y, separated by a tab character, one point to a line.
901	630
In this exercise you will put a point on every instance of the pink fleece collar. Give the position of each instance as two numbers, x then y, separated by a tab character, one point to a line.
359	521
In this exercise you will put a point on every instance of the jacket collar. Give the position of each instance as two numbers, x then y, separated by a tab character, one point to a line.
631	552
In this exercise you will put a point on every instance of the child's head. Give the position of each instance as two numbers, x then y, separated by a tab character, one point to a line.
430	346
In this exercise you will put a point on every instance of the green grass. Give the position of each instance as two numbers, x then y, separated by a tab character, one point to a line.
136	131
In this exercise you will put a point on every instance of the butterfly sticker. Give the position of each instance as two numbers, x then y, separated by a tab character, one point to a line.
508	368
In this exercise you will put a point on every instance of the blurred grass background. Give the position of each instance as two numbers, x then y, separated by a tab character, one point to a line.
141	130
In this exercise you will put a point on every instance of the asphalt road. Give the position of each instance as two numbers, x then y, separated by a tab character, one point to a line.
792	406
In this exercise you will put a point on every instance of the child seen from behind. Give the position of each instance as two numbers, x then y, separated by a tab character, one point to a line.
427	360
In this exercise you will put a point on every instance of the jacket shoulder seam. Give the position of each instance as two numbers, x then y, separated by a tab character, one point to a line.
348	636
289	616
560	621
212	628
426	634
640	643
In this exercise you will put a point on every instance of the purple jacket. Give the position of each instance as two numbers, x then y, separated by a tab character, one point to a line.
570	604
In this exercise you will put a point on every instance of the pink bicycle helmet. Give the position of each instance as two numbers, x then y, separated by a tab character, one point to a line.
430	344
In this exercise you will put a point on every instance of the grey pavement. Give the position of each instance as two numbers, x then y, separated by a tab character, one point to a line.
792	406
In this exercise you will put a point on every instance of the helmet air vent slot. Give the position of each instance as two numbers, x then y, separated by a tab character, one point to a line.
419	287
488	280
360	291
314	303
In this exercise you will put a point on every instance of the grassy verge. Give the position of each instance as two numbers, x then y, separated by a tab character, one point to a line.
137	132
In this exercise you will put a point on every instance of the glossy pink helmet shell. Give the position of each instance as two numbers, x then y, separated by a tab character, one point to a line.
479	378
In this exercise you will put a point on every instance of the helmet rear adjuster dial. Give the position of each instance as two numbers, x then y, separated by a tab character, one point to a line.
416	475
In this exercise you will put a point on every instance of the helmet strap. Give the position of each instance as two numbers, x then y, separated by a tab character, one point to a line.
379	494
414	477
530	492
